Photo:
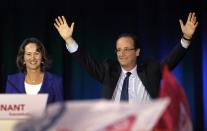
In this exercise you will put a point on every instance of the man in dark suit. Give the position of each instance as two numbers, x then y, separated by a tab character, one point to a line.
143	81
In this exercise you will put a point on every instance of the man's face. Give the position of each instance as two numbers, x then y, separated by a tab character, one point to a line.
126	53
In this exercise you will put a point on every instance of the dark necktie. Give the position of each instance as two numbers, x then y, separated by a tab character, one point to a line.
124	91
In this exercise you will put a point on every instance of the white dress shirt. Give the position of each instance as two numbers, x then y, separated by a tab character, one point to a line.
137	91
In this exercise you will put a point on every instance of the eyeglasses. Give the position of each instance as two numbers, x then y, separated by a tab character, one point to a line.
125	50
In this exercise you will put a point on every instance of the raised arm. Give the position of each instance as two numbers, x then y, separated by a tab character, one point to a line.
97	70
189	28
178	52
64	30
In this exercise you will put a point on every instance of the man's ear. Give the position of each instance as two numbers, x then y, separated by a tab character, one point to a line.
137	51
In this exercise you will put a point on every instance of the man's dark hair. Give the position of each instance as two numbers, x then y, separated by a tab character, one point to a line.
45	63
134	38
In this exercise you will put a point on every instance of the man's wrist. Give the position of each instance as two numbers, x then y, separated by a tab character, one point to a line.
69	40
185	43
187	38
72	46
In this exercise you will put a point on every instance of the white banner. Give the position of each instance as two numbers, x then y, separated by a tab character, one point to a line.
97	115
21	106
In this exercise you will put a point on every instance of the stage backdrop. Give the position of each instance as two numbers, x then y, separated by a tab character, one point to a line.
97	24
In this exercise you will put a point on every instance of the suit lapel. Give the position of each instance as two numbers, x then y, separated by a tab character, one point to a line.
20	82
115	75
45	84
143	77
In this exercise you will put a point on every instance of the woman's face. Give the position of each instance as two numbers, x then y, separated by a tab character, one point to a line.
32	58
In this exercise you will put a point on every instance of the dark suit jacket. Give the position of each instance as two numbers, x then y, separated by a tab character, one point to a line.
52	84
149	71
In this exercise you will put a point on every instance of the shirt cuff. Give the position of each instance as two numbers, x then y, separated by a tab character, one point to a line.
185	44
72	47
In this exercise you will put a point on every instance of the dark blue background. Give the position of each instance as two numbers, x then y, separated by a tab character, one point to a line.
97	24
